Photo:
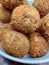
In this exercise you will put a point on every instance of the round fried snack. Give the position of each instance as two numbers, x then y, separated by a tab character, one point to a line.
11	4
38	45
44	29
5	27
42	6
25	18
4	15
15	43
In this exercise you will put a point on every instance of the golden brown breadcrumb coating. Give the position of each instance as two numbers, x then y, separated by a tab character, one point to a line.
4	27
44	29
42	6
25	18
38	45
4	15
15	43
11	4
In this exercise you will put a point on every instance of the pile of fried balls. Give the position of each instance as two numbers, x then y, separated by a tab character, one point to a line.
25	28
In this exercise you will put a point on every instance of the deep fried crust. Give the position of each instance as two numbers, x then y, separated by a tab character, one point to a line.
11	4
4	27
42	6
44	29
38	45
15	43
4	15
25	18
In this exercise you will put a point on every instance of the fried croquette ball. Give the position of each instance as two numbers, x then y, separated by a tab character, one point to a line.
42	6
44	29
4	15
11	4
4	27
15	43
38	45
25	18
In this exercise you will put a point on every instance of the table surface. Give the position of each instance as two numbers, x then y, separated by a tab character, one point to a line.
4	61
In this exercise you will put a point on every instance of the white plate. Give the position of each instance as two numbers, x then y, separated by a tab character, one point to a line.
27	59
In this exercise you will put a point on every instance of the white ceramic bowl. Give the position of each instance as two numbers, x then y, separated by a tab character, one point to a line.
27	59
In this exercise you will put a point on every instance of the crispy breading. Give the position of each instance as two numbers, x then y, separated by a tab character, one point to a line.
11	4
42	6
38	45
15	43
25	18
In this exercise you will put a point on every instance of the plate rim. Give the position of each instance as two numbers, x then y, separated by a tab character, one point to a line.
21	60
